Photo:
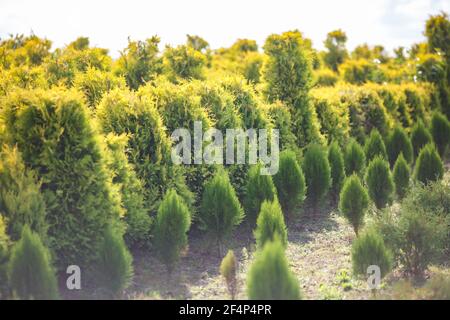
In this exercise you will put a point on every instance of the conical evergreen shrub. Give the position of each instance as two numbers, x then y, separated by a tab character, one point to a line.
317	174
228	270
429	166
21	201
336	160
137	216
374	146
220	211
270	278
30	273
401	175
115	263
379	182
354	159
369	249
420	136
179	108
398	142
287	75
4	256
172	223
354	201
270	225
259	188
56	137
440	130
149	146
289	182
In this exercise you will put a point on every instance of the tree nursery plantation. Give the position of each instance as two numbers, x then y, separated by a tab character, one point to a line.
272	171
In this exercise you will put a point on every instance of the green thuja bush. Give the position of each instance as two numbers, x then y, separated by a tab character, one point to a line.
220	210
429	166
21	201
433	199
440	130
354	158
353	202
172	223
115	263
65	62
374	146
401	175
95	83
357	71
289	182
374	113
137	218
414	101
148	147
287	76
228	270
219	102
270	278
249	105
180	107
379	182
332	114
419	239
417	231
317	174
420	136
56	137
4	256
30	273
282	120
259	188
139	62
184	62
336	160
325	78
270	225
397	143
287	72
369	249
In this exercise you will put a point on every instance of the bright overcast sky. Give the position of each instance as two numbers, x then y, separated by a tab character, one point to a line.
108	23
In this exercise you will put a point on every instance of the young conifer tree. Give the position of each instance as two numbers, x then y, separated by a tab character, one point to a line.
354	201
354	158
379	182
289	182
429	166
258	189
31	275
401	175
172	223
317	174
220	211
270	278
270	224
336	160
375	146
115	263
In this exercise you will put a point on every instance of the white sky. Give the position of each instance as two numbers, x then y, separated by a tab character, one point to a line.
108	23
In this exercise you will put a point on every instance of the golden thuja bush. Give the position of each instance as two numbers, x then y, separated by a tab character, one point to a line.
55	135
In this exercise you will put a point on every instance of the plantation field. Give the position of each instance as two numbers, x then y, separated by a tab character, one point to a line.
319	252
280	172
